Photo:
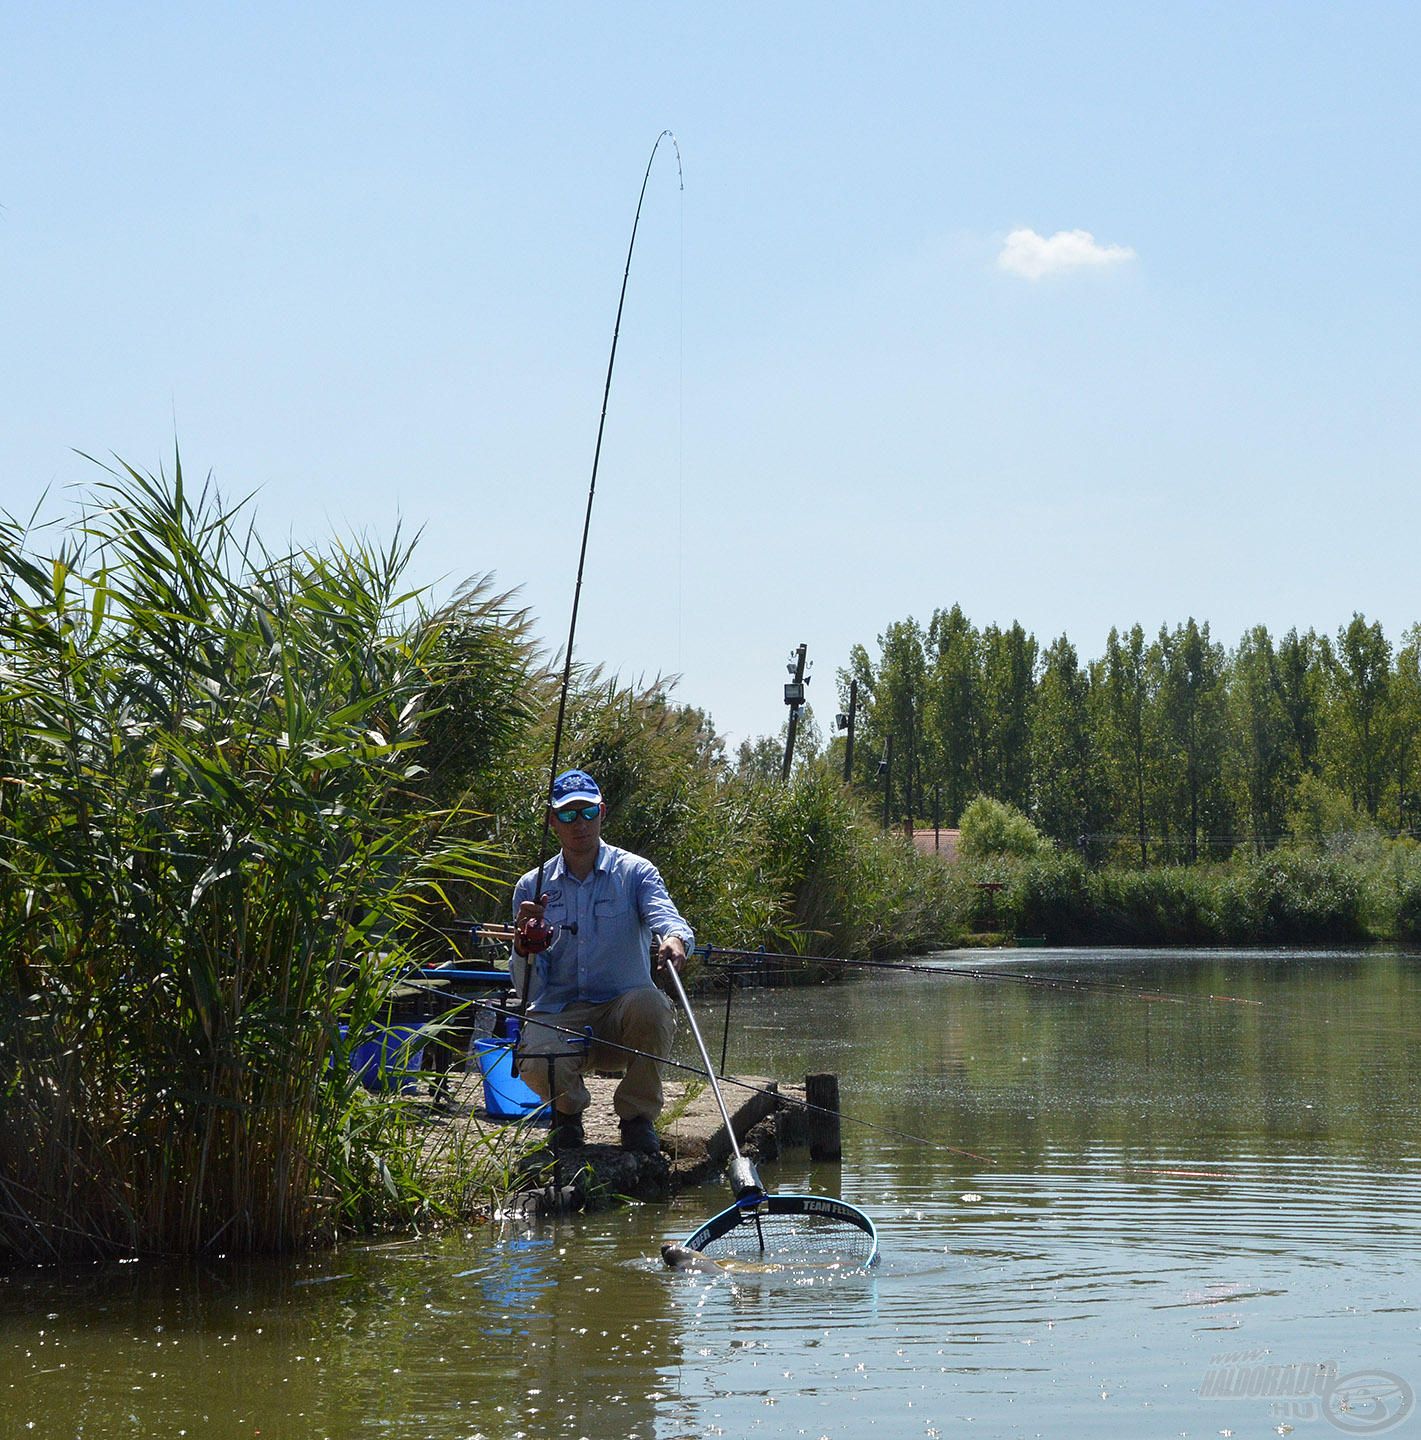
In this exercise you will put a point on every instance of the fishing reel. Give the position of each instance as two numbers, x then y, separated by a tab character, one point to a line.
533	935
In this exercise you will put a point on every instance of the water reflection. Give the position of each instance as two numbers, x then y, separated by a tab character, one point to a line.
1160	1185
402	1338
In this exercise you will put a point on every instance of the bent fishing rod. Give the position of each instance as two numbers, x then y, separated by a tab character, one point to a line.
535	934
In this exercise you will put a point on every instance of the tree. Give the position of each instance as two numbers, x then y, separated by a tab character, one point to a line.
1361	675
890	698
953	707
1261	734
761	758
1122	703
1190	725
1303	666
899	701
488	688
1321	815
1406	727
992	827
1008	692
861	671
1069	783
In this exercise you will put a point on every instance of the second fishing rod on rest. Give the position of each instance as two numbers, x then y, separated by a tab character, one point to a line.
714	954
732	961
792	1101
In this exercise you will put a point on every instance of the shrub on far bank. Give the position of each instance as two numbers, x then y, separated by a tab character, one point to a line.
992	827
1170	905
1408	911
1286	897
1391	894
1049	895
1293	897
1322	816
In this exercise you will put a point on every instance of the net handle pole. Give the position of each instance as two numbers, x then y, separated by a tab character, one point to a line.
744	1182
675	981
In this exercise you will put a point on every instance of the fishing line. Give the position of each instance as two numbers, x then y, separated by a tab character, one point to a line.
1084	1166
680	414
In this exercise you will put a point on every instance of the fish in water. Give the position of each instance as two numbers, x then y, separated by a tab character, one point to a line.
679	1257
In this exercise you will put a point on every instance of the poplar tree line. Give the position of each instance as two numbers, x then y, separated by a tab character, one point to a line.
1170	748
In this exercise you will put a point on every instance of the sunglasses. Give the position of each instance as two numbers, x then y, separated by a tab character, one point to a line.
576	812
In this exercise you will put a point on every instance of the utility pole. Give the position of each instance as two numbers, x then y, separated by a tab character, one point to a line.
846	723
794	698
910	813
937	817
885	768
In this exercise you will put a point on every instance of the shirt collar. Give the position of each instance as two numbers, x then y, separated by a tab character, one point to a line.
600	865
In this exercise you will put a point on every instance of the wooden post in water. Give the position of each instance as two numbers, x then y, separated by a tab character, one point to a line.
821	1092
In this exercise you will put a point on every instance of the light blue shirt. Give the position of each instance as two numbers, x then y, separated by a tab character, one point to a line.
604	926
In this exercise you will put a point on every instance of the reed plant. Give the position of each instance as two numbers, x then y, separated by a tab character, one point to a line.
1295	896
840	885
211	874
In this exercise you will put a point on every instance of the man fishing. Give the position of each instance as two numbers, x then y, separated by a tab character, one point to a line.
581	953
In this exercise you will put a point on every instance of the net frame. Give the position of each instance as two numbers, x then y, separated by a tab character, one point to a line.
793	1230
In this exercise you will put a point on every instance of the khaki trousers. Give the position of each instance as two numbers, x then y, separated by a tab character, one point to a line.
643	1018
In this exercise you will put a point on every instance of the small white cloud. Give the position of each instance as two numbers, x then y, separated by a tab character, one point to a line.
1031	255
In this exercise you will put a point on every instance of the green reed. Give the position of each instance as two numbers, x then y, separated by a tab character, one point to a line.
210	862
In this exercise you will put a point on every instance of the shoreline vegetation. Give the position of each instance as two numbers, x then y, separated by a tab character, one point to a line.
1356	888
242	791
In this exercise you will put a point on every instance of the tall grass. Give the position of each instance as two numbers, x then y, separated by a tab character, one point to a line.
842	886
208	864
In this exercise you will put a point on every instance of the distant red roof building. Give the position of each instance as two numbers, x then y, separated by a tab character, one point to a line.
942	843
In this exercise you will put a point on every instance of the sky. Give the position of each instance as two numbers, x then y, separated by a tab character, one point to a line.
1079	315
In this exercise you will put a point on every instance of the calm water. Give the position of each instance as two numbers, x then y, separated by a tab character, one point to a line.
1178	1199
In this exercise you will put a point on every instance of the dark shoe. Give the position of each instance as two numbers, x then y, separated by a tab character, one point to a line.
639	1134
567	1131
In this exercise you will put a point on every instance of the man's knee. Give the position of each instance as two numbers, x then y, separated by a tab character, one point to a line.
648	1013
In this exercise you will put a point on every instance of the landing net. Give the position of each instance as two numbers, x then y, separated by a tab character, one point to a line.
796	1230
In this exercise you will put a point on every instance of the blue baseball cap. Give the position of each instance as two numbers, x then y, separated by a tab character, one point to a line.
575	787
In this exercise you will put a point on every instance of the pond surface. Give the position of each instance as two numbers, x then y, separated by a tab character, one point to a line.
1196	1214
